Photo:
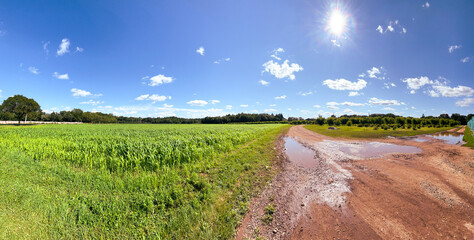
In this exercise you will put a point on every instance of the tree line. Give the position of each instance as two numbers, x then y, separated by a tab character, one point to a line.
20	108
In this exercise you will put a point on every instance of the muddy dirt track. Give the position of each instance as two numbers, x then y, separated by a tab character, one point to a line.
426	195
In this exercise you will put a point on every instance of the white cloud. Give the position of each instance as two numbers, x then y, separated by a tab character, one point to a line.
317	106
352	104
333	107
200	50
343	84
215	101
91	102
228	107
0	92
465	60
389	85
280	97
459	91
157	98
270	110
426	5
417	83
432	93
388	109
453	47
33	70
222	60
167	105
79	49
160	79
244	105
372	73
377	101
304	94
63	47
379	29
199	103
276	52
465	102
142	97
80	93
263	83
61	76
272	105
391	27
353	94
335	43
285	70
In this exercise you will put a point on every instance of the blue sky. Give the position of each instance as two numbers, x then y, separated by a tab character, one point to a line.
208	58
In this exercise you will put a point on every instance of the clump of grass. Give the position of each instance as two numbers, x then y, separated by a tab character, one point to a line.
468	138
269	211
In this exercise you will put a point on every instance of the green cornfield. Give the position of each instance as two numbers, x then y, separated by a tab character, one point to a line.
127	147
130	181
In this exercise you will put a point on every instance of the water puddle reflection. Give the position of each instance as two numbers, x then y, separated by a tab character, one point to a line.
299	154
449	137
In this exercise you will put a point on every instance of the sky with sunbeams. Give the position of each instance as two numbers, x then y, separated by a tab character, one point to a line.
211	58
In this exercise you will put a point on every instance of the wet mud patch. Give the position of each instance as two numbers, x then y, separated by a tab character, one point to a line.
363	150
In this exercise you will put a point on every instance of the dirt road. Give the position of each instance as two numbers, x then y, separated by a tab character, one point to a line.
426	195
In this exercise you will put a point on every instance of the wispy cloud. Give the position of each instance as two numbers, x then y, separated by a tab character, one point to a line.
453	47
33	70
200	51
343	84
63	47
199	103
61	76
92	102
280	97
377	101
465	60
353	94
45	47
263	83
426	5
222	60
392	26
466	102
153	97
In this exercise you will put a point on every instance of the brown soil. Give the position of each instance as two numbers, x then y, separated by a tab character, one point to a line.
427	195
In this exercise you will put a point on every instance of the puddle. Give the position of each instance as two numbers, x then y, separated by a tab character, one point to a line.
299	154
449	137
369	149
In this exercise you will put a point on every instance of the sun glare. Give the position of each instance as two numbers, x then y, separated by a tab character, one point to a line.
337	22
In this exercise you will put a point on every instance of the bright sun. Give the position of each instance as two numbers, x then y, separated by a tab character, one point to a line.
337	22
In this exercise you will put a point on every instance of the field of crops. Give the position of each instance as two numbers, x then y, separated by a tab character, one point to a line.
130	181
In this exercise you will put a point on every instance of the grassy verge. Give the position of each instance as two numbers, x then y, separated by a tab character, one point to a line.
468	138
369	132
201	200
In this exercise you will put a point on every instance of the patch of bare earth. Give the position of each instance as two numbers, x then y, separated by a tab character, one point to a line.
427	195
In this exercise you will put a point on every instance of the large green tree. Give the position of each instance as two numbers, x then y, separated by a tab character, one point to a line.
21	107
